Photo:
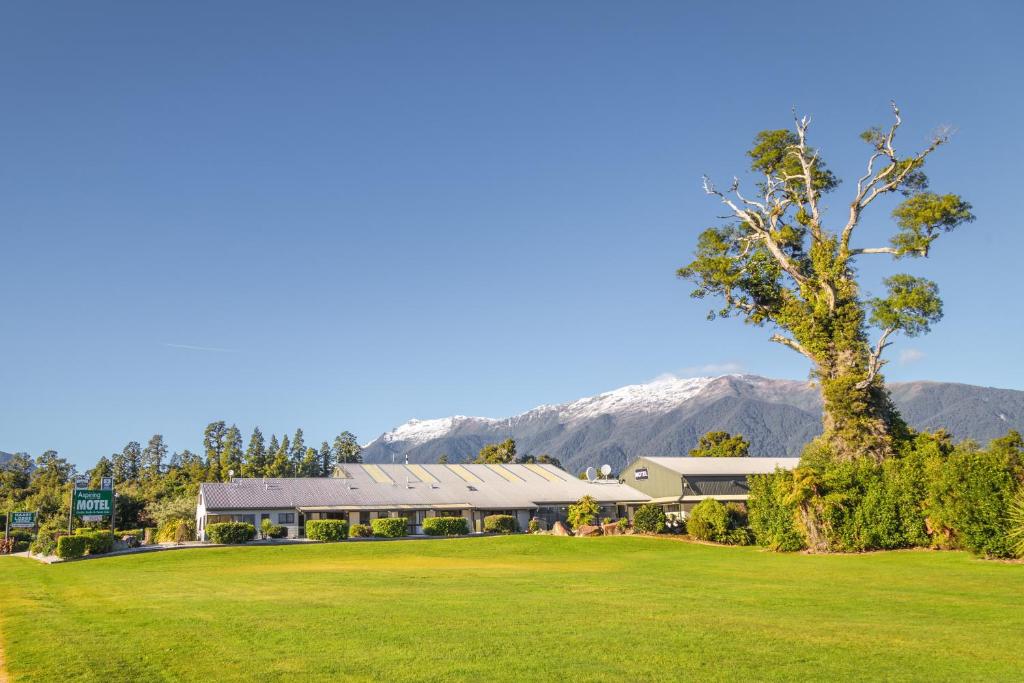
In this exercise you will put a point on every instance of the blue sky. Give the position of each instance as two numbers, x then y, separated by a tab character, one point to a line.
345	215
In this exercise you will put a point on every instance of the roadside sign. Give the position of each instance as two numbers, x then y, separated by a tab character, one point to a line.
640	473
92	518
107	484
23	520
86	503
81	482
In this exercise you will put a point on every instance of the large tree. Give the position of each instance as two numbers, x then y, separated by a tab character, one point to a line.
152	460
780	261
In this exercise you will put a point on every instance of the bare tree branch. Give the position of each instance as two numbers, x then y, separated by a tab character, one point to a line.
875	361
786	341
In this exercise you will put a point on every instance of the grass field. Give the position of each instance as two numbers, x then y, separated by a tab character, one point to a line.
516	609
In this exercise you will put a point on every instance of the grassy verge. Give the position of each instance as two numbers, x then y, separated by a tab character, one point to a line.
516	608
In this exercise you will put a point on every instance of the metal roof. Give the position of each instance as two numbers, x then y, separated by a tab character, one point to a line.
724	466
493	487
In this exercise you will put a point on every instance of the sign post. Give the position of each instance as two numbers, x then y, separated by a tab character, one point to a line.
92	504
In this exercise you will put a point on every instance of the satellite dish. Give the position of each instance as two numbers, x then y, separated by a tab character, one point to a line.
591	474
231	473
606	470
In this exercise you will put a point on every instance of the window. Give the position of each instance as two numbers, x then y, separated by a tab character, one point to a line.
286	518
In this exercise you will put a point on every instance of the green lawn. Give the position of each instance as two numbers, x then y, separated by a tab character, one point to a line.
517	609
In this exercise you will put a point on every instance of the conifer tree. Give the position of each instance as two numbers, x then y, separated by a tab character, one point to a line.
231	454
310	466
153	457
347	449
298	450
255	464
326	460
213	444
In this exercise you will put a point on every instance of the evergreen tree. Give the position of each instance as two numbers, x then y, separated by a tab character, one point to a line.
255	464
213	444
153	457
231	454
326	460
104	468
280	466
272	448
310	466
443	460
347	448
126	463
298	450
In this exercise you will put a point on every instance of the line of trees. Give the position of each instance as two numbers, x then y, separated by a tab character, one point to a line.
148	479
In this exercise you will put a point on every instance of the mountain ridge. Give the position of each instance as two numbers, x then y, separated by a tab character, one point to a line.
668	415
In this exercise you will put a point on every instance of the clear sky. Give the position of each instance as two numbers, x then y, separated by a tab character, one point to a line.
345	215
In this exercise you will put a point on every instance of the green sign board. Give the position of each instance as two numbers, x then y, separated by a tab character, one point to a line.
23	519
92	503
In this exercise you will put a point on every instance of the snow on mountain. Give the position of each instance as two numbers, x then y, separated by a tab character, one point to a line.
415	432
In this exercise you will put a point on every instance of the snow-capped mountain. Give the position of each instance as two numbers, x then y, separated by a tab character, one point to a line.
668	415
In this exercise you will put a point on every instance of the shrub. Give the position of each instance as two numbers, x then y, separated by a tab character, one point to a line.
772	518
389	527
327	529
649	519
445	526
973	495
1016	523
501	524
534	525
97	542
708	520
20	540
265	526
360	531
622	523
46	539
177	530
279	531
583	512
606	520
231	532
70	547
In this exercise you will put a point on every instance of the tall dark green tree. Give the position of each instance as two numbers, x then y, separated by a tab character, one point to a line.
346	448
310	466
152	460
326	460
213	444
104	468
280	464
231	454
255	464
127	463
781	260
298	450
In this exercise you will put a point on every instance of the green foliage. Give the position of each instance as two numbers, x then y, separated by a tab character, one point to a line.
389	527
1016	523
778	261
543	459
583	512
534	525
721	445
46	539
231	532
346	449
327	529
70	547
497	453
97	541
772	516
708	521
445	526
360	531
649	519
501	524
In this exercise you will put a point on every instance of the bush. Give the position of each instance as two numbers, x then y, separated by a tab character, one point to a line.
20	540
389	527
327	529
46	539
708	521
97	542
360	531
279	531
622	523
500	524
445	526
231	532
772	518
70	547
177	531
649	519
583	512
1016	523
534	525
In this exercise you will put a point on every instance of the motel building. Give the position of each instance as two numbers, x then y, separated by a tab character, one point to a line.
360	493
678	484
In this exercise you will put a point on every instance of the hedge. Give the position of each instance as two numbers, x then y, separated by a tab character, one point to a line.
649	519
70	547
389	527
327	529
231	532
445	526
360	531
501	524
97	541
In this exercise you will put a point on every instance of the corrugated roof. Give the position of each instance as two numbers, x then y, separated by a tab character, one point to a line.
724	466
363	488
